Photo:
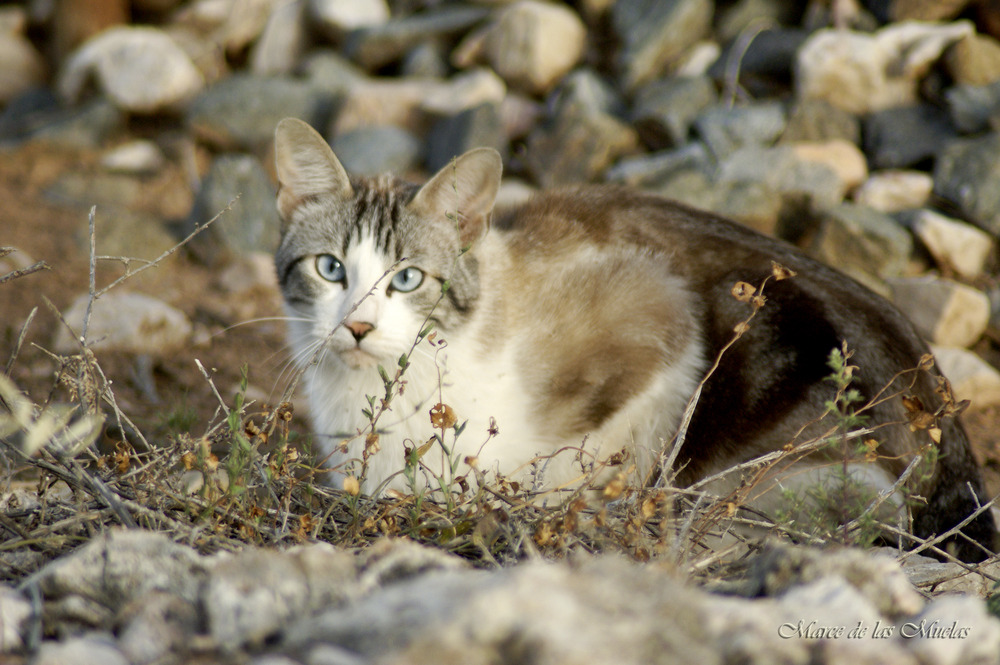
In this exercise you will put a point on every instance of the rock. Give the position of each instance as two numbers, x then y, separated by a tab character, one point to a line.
954	245
530	44
331	74
971	377
136	157
375	150
905	136
945	312
412	103
15	611
241	112
652	169
966	173
76	21
87	126
283	42
665	110
155	626
591	92
894	190
90	650
943	633
760	61
141	70
808	182
973	108
843	157
655	34
519	115
23	66
698	60
577	147
376	46
818	120
974	60
229	24
861	241
239	191
335	18
454	135
121	232
123	321
747	14
925	10
725	129
861	73
427	60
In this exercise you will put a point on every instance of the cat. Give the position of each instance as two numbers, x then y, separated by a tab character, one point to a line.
575	327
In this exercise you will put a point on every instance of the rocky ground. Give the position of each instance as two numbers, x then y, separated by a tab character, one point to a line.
866	133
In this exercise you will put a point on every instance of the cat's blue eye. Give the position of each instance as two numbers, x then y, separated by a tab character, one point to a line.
407	280
330	268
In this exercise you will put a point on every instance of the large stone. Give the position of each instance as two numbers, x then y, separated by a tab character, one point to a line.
862	241
335	18
123	321
142	70
818	120
241	112
651	169
812	183
665	110
923	10
80	651
974	60
138	157
893	190
15	611
374	150
971	377
23	66
967	617
229	25
724	129
530	44
843	157
955	245
454	135
974	108
861	73
283	42
655	34
239	191
966	174
905	136
945	312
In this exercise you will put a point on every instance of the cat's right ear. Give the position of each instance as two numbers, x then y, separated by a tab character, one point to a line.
306	166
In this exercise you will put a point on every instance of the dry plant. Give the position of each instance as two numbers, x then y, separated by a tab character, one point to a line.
268	490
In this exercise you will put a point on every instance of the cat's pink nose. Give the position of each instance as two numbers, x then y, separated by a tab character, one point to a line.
359	329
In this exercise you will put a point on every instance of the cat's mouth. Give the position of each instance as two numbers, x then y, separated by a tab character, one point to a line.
358	358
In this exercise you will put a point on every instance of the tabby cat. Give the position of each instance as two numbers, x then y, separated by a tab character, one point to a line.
575	327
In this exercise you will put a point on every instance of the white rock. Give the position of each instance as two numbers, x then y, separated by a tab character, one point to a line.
842	156
15	610
21	66
283	41
530	44
971	377
953	630
124	321
335	17
141	70
954	244
895	190
134	157
946	312
231	24
861	73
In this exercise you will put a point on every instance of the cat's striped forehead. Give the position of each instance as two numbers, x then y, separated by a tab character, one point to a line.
377	211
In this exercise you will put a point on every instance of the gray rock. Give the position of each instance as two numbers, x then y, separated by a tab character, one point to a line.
374	150
517	44
893	191
862	241
140	69
973	108
905	136
809	182
23	66
966	173
655	168
953	630
861	73
746	14
331	74
87	650
577	147
250	224
954	244
87	126
156	625
135	157
376	46
283	42
971	377
945	312
842	157
241	112
15	610
725	129
654	35
121	232
588	90
665	110
427	60
335	18
818	120
124	321
453	135
759	63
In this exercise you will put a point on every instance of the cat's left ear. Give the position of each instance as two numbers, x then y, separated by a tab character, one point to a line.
464	193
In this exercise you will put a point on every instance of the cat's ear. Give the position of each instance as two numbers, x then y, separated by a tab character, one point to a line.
463	194
306	166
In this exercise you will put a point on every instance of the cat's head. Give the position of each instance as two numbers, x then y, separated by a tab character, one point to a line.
363	262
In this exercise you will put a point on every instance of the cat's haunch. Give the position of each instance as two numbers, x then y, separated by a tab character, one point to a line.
570	332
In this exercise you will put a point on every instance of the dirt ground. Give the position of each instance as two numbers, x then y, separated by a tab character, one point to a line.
224	341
